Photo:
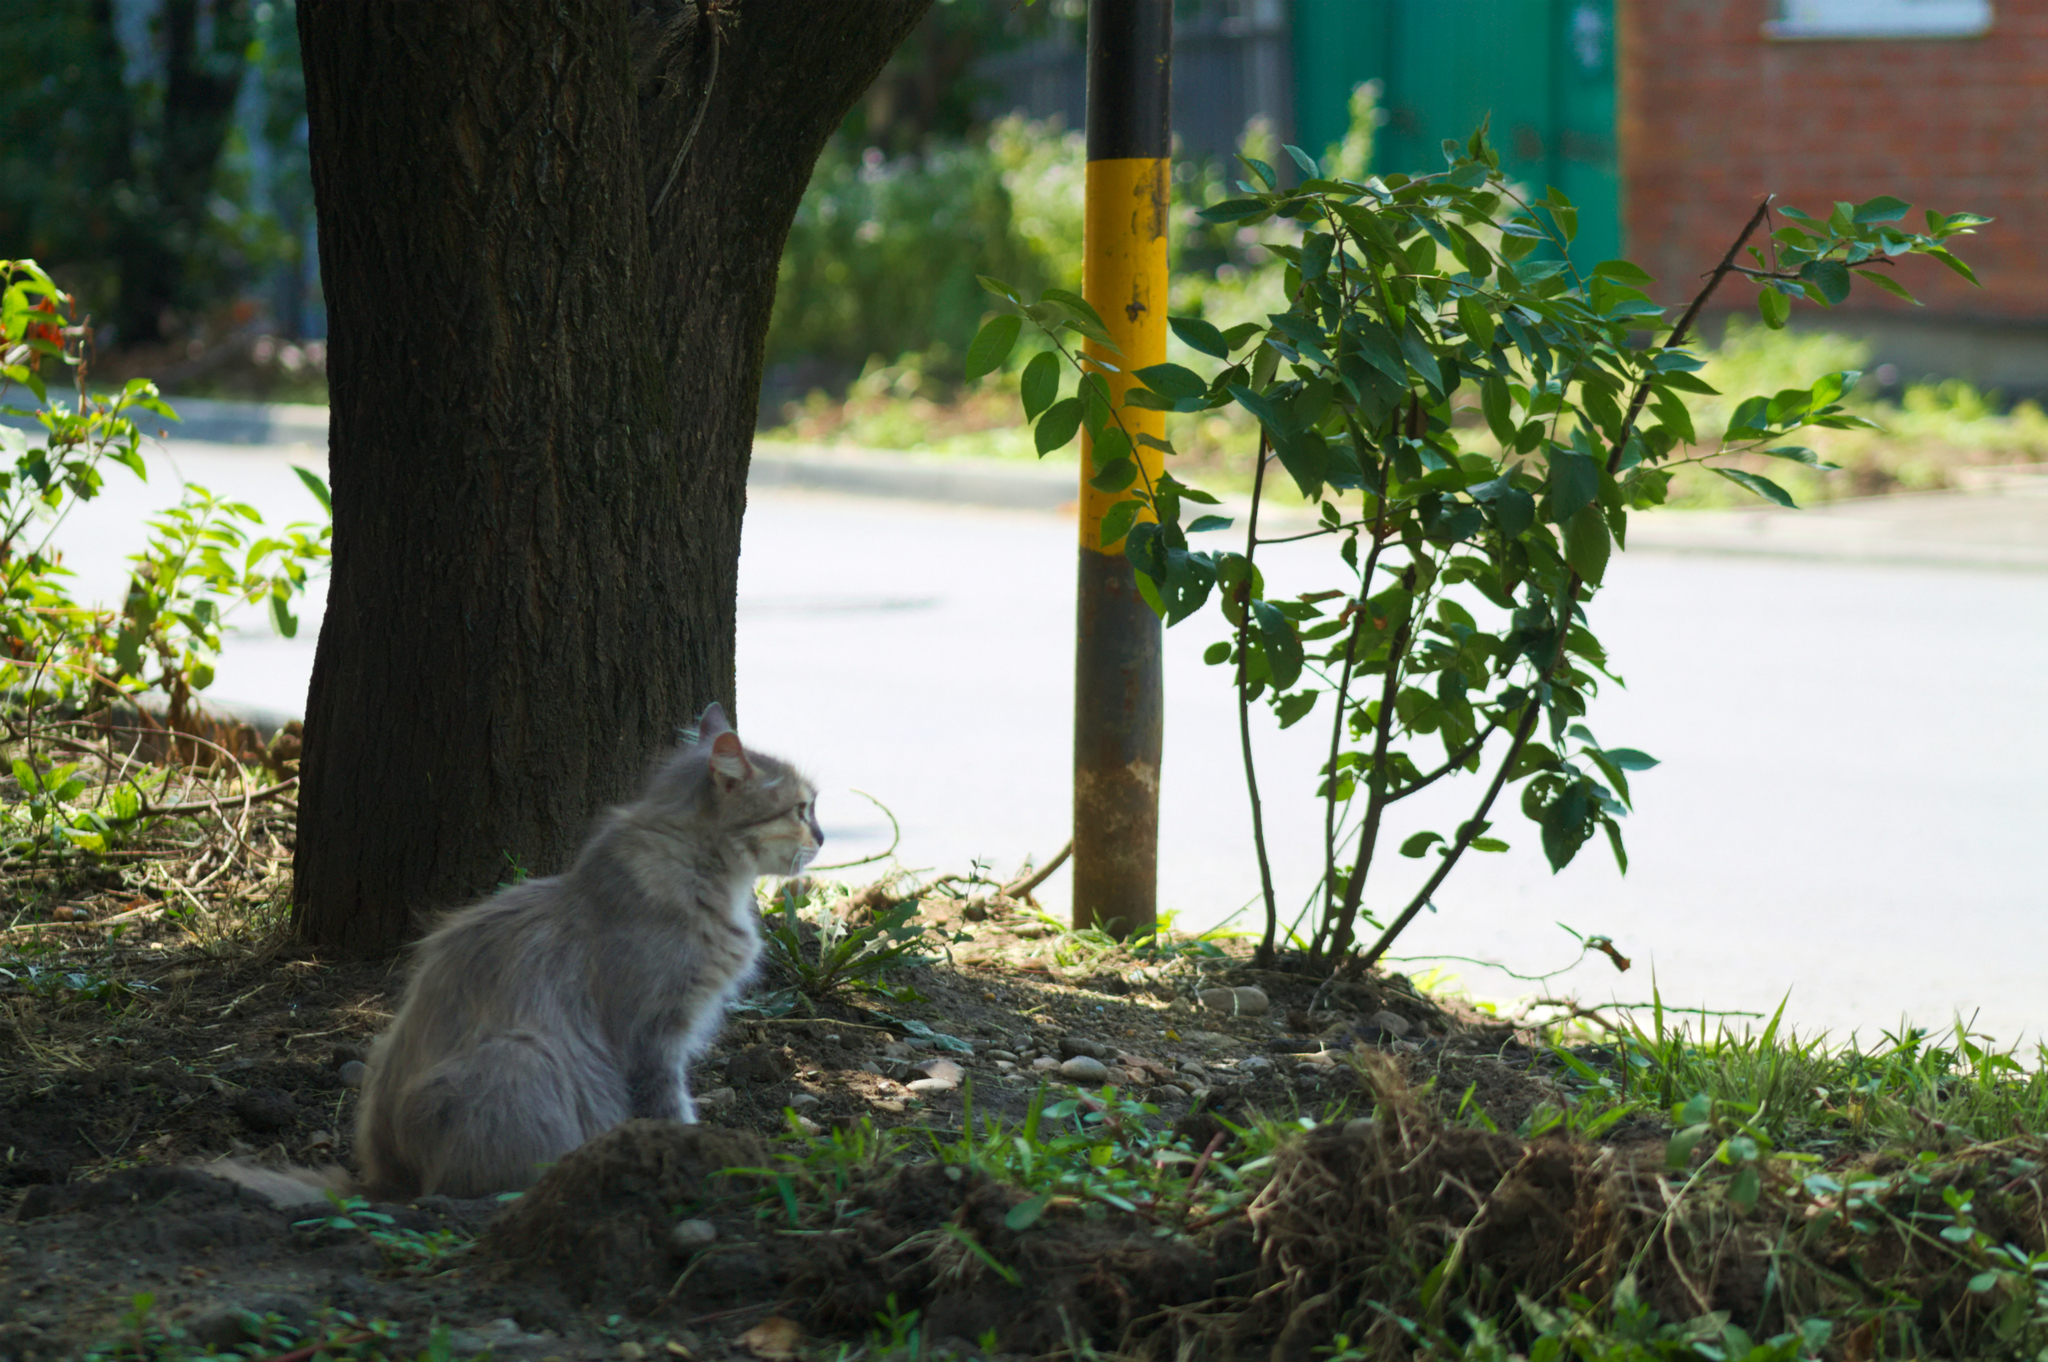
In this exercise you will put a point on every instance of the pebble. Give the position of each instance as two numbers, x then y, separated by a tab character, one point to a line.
352	1073
692	1234
717	1097
1045	1062
1244	1001
1004	1066
943	1071
1254	1064
809	1127
804	1099
1080	1047
1084	1069
1172	1090
1393	1023
1000	1054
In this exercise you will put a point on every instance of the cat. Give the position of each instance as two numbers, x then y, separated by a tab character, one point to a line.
560	1007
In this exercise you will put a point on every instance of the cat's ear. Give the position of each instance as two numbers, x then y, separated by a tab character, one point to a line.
712	722
729	759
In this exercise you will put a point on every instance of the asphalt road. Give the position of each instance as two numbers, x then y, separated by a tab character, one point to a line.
1850	811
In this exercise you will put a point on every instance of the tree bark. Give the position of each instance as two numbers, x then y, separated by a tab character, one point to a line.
543	408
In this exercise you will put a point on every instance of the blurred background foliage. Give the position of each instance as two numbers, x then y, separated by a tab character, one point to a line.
153	157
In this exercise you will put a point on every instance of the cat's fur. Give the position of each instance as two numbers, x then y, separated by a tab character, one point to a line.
558	1008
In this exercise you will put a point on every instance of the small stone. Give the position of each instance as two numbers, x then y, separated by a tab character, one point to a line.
1084	1069
1393	1023
320	1139
1222	1000
352	1073
1073	1046
1004	1066
868	1066
716	1098
804	1099
1254	1064
691	1235
896	1049
1251	1002
809	1127
631	1351
1173	1090
1001	1054
943	1070
930	1085
1045	1062
975	911
1357	1128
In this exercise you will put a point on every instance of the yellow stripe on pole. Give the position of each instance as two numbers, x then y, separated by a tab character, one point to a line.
1124	276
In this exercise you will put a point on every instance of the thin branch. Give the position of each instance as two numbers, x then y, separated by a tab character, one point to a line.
1244	717
1464	755
1021	887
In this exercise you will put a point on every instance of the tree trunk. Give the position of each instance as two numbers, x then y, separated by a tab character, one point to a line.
543	408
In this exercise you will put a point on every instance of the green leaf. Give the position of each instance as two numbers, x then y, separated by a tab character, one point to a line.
1888	284
1623	272
992	344
1829	279
1115	475
997	287
1235	210
1493	844
1762	486
1062	420
1083	310
1774	307
1292	709
1941	254
1283	648
1202	524
1883	208
1216	653
1801	454
1629	759
1025	1214
1574	483
1173	381
1197	334
1040	384
1587	544
1563	214
317	486
1117	520
1495	402
1420	843
1477	321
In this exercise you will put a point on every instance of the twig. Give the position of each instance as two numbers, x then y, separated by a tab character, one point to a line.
1244	711
895	839
1022	887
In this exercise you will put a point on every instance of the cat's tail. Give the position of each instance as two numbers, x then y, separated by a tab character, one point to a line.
289	1187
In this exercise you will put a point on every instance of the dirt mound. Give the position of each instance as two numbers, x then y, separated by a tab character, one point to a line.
648	1218
601	1224
939	1240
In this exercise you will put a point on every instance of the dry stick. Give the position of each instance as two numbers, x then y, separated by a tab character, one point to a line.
1244	710
1018	888
1470	829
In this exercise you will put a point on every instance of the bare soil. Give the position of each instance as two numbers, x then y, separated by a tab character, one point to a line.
130	1056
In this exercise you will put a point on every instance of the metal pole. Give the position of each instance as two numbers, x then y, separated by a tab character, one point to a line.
1117	704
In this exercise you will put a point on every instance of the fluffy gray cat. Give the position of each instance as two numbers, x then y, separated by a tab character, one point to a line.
558	1008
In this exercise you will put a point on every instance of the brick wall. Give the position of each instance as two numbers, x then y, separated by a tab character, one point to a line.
1713	115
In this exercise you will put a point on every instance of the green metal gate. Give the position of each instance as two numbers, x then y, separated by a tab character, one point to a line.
1543	69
